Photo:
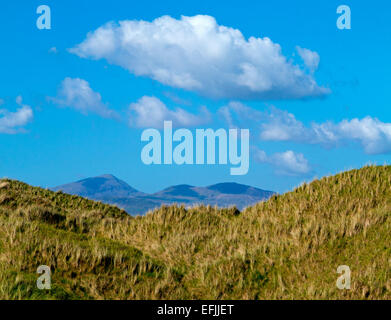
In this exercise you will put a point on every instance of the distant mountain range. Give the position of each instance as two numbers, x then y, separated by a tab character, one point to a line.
109	189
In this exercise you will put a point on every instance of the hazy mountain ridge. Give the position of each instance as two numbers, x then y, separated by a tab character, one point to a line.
107	188
102	186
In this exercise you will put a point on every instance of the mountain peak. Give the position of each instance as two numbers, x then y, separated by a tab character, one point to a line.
108	176
105	186
236	188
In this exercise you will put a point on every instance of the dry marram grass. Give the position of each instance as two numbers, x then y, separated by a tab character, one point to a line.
288	247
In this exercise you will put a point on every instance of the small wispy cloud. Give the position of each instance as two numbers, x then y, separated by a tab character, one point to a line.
77	94
53	50
236	114
152	112
278	125
310	58
13	122
372	134
287	163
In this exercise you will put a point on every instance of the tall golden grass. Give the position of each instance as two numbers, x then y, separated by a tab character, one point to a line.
288	247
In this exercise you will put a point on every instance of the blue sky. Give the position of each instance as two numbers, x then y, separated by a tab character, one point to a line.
70	114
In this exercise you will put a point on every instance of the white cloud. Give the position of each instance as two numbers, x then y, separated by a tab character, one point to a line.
152	112
77	94
19	100
11	122
311	58
176	99
237	114
53	50
285	163
280	125
197	54
373	135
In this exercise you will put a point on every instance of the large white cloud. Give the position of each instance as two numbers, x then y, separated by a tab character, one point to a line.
285	163
373	135
152	112
197	54
77	94
12	122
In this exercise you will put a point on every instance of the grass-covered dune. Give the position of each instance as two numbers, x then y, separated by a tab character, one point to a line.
286	248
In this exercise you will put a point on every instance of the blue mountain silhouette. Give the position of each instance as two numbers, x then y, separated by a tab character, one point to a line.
109	189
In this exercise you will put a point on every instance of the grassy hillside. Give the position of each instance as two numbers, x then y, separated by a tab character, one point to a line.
286	248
